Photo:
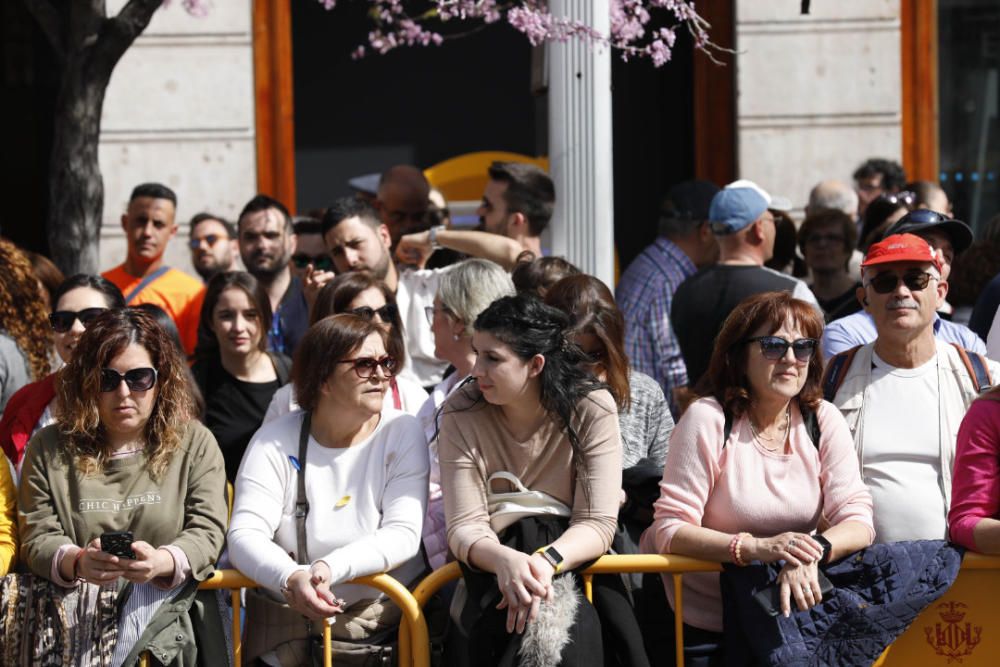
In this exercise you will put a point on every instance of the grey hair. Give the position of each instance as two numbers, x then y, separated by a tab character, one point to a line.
472	285
834	195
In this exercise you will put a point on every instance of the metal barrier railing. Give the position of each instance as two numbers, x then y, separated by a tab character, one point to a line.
414	644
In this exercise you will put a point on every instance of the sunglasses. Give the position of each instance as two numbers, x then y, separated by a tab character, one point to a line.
886	283
776	347
386	313
137	379
319	262
365	366
209	239
62	320
904	198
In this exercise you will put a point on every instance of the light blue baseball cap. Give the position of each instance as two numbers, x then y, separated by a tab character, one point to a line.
736	206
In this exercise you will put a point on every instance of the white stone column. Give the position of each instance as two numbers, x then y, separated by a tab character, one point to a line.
580	144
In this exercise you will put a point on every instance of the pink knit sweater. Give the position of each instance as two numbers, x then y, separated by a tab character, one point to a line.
744	487
975	486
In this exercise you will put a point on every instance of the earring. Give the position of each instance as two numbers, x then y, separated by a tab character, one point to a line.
456	337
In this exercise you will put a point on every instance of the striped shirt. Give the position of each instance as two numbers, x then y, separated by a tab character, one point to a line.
644	294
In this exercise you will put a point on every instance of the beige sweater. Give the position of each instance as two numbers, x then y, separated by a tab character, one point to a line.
475	442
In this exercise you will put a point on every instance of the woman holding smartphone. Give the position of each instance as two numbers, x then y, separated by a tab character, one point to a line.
127	456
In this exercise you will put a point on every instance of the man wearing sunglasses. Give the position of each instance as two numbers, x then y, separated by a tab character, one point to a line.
904	394
309	248
213	245
148	223
947	237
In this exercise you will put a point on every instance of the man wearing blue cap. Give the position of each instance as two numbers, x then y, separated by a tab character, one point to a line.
745	228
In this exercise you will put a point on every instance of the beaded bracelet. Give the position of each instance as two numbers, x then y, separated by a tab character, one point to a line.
735	548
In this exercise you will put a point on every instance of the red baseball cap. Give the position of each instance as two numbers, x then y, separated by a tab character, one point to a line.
901	248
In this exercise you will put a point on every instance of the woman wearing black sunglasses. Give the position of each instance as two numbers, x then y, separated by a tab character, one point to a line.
127	456
745	479
364	295
78	300
361	470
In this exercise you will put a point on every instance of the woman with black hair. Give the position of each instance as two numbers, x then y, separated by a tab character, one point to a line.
535	414
77	301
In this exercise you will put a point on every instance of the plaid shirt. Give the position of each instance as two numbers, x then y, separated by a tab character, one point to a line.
644	294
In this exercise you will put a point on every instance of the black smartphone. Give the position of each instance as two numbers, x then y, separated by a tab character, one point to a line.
770	598
118	543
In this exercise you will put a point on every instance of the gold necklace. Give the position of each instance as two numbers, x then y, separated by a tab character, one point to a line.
760	438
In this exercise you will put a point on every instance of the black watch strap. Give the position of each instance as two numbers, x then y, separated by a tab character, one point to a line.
827	548
554	557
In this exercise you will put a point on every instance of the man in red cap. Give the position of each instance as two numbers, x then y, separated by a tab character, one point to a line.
905	394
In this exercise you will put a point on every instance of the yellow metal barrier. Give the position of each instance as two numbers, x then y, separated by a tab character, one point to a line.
414	644
960	628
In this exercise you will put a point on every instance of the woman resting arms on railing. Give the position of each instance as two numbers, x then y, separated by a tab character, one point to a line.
533	412
125	454
365	473
760	494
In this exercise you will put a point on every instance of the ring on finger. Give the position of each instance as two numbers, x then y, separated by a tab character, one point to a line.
791	544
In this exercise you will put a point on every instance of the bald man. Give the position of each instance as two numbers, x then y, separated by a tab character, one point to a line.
833	194
402	201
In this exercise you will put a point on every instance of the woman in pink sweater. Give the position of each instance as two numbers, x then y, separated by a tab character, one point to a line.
761	493
974	519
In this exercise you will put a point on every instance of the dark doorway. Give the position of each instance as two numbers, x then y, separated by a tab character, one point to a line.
414	105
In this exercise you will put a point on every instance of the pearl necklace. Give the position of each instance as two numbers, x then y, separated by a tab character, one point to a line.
760	438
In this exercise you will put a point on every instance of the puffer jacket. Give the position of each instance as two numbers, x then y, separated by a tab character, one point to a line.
878	592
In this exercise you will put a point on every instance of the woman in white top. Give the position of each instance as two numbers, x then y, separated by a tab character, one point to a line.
364	295
464	292
365	482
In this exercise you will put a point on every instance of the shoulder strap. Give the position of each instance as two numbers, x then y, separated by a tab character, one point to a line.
976	366
811	421
144	283
301	502
281	366
836	371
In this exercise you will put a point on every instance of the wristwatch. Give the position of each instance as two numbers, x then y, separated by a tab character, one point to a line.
827	547
432	236
555	558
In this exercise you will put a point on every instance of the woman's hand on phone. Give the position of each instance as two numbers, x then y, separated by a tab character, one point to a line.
97	567
149	563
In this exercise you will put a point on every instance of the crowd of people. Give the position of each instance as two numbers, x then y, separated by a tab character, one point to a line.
378	391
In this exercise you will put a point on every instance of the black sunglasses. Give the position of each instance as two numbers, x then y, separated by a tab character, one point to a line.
886	283
137	379
903	198
776	347
365	366
319	262
62	320
386	313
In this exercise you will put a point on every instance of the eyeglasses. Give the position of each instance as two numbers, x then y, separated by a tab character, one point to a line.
776	347
886	283
137	379
386	313
430	310
209	239
365	366
904	198
62	320
319	262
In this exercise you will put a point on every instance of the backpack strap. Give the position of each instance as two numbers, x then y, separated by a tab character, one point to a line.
282	367
301	501
836	371
976	367
144	283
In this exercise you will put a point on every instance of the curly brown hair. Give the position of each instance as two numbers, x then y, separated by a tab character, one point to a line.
23	309
78	387
726	379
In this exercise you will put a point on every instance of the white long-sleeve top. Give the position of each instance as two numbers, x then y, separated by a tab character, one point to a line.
366	504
